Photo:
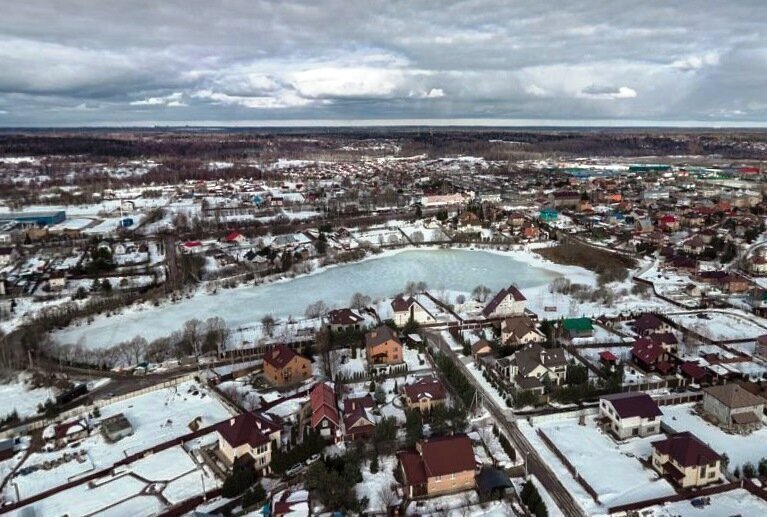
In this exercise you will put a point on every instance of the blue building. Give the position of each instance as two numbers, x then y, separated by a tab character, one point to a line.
35	218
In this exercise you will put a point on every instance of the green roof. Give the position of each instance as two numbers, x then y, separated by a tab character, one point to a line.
578	324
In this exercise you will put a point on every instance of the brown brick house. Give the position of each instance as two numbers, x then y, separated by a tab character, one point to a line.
438	466
424	394
686	460
383	347
283	366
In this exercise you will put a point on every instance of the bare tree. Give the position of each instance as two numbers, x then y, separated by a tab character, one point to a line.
480	293
386	497
417	236
136	348
268	323
421	286
359	301
410	288
193	334
316	310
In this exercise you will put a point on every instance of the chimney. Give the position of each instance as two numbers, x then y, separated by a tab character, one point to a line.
231	421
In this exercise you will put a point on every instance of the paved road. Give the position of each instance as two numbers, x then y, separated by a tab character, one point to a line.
502	416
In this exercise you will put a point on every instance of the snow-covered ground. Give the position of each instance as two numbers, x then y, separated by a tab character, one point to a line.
740	449
551	506
156	417
736	502
718	325
378	487
381	276
17	396
178	477
612	470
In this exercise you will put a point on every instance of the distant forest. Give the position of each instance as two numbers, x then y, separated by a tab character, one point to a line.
318	143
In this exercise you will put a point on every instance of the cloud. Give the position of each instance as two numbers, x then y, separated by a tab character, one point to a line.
419	60
608	92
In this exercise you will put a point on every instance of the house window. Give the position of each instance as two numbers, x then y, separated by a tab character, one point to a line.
438	479
712	473
452	476
651	429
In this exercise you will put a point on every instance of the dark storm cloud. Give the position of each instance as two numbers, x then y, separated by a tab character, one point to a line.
83	62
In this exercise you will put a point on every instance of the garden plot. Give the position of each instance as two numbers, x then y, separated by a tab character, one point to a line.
615	474
178	476
156	417
343	362
739	449
721	326
736	502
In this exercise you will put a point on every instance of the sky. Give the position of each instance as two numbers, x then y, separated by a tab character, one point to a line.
315	62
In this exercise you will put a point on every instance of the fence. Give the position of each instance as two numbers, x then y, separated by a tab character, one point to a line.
689	494
82	410
568	465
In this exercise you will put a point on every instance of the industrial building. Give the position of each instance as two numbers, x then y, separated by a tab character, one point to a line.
35	218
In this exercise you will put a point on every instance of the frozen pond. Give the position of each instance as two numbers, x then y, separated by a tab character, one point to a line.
450	269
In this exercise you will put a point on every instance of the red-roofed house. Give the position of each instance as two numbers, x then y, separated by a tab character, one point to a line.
358	421
406	309
649	323
629	414
283	366
325	419
649	353
686	460
508	302
438	466
693	372
344	319
235	238
248	439
424	394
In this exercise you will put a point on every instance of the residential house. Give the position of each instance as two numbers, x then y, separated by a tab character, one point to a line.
685	459
324	413
507	302
8	255
481	348
410	308
358	418
248	439
528	368
651	354
694	246
693	372
283	366
235	238
438	466
57	280
629	414
383	347
734	408
577	328
649	323
344	319
520	330
424	394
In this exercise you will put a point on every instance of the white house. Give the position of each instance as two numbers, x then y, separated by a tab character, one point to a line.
629	414
405	309
508	302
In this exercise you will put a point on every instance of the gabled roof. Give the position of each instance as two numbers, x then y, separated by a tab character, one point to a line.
629	405
344	316
510	291
447	455
479	345
647	321
380	335
247	428
323	401
425	388
647	350
279	356
686	449
733	396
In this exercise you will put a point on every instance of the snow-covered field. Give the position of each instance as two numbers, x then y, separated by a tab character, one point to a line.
722	326
740	449
381	276
156	417
16	396
613	471
377	487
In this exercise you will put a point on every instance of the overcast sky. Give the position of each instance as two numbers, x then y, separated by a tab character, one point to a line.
80	62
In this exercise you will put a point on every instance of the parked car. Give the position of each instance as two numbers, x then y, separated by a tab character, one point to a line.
313	458
295	469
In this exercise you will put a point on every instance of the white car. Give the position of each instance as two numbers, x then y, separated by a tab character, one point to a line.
313	458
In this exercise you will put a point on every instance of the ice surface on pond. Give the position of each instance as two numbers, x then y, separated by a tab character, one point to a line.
453	269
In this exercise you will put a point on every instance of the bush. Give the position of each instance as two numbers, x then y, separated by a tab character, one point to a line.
255	496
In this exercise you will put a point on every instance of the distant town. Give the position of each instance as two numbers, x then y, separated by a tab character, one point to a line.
383	322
